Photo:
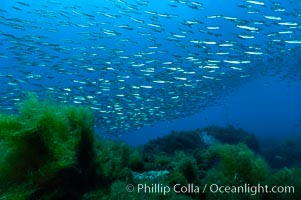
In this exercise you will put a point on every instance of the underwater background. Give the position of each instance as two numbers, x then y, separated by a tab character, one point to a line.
99	95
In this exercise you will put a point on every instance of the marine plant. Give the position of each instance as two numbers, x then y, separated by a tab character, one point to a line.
47	151
118	191
241	163
236	165
289	180
186	165
113	161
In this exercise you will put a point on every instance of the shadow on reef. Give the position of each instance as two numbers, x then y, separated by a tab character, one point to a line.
287	154
231	135
188	141
50	152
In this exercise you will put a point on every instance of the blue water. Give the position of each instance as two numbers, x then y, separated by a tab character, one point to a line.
267	107
148	67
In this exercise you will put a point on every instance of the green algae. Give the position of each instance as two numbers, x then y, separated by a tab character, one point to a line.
49	152
43	145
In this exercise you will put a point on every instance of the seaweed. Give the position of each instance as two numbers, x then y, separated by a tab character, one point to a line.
50	151
289	179
236	165
49	148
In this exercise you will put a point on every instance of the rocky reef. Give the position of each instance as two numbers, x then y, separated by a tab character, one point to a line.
50	151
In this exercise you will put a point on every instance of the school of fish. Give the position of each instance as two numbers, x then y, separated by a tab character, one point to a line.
136	62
